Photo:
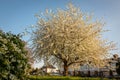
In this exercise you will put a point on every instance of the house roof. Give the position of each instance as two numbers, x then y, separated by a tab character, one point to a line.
48	66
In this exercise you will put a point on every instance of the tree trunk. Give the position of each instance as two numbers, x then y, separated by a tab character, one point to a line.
65	69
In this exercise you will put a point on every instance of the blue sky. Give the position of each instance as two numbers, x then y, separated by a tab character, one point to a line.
16	15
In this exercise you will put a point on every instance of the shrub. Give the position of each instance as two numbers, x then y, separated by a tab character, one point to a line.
13	60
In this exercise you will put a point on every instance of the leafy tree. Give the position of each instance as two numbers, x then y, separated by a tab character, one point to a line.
13	60
66	37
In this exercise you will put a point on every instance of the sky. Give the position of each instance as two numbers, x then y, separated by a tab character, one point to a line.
16	15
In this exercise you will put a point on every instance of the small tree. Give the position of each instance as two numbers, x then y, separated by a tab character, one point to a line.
13	60
67	37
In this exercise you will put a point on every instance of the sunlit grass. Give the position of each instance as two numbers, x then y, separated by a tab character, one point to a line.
64	78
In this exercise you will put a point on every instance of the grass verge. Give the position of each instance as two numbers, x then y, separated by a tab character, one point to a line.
64	78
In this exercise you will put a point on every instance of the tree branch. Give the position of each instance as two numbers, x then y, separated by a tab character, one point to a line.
59	57
74	62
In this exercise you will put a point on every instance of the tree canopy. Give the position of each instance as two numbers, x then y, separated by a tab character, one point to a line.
13	60
69	36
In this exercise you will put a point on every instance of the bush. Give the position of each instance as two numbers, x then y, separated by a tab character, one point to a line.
38	72
13	60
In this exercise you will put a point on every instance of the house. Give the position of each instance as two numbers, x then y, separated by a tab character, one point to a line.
48	68
108	70
89	70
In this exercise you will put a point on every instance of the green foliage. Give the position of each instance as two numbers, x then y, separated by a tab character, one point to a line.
13	60
63	78
118	67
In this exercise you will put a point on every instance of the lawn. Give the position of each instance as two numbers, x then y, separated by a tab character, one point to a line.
64	78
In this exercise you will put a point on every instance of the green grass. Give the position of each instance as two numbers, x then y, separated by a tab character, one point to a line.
64	78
